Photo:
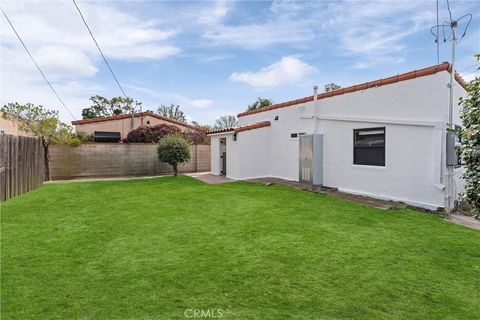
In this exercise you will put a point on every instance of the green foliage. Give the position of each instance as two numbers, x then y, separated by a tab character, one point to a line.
203	127
470	148
85	137
41	122
260	103
227	121
172	112
103	107
173	149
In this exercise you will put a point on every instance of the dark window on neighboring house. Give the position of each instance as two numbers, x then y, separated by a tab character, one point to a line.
293	135
369	146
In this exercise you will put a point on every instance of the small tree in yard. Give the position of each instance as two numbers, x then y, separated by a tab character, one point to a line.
173	149
42	123
470	147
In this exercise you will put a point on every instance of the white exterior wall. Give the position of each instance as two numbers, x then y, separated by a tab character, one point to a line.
414	113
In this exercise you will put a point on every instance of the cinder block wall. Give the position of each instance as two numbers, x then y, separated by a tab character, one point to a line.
119	159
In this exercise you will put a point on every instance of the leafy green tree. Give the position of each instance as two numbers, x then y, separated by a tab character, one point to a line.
260	103
173	149
203	127
172	112
227	121
470	146
103	107
42	123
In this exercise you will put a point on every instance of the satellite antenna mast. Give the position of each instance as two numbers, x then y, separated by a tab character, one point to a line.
453	26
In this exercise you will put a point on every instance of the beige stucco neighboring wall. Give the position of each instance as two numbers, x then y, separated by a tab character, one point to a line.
122	125
10	127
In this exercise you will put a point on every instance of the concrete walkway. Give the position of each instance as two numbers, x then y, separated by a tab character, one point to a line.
209	178
462	220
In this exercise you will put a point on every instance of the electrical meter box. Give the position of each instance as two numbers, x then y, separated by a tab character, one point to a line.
453	146
311	159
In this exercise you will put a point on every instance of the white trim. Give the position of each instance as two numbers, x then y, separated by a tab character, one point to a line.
406	122
221	133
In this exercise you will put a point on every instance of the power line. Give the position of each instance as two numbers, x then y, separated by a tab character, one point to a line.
474	65
36	64
465	74
98	47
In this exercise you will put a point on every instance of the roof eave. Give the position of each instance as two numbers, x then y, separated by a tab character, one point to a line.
445	66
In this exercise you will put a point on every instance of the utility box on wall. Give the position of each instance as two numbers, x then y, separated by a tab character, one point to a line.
453	145
311	159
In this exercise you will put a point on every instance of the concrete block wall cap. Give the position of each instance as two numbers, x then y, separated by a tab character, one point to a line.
445	66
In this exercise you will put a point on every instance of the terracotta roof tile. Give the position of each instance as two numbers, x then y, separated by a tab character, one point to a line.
363	86
139	114
245	127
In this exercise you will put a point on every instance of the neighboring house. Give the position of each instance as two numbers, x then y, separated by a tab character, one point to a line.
123	123
8	126
385	139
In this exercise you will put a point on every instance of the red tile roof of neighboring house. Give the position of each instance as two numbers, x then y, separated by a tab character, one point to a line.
377	83
245	127
139	114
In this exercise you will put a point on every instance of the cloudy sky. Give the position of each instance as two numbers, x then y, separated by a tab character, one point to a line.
215	57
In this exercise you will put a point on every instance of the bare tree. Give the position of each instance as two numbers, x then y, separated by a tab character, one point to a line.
227	121
172	112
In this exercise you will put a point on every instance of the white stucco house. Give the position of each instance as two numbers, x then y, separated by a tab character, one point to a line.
385	139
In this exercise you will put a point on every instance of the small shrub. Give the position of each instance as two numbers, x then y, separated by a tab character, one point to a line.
173	149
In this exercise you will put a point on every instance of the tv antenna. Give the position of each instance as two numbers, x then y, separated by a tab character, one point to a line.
449	32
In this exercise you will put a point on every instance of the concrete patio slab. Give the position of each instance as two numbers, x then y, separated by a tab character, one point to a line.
209	178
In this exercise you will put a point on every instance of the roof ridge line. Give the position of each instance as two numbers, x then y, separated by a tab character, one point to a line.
444	66
136	115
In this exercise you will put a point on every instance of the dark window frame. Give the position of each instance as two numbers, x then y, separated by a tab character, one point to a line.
381	163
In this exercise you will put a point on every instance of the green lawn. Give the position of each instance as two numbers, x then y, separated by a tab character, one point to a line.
150	249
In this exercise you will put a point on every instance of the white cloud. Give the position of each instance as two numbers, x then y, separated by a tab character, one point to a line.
60	43
216	13
376	31
200	103
167	98
260	35
287	70
59	60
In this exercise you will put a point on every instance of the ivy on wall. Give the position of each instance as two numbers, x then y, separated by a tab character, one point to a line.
470	146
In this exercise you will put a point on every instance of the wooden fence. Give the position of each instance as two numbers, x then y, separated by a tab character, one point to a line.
21	165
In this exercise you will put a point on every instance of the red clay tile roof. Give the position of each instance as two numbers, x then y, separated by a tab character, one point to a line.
139	114
377	83
245	127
